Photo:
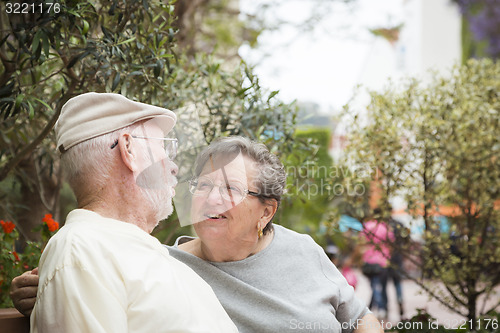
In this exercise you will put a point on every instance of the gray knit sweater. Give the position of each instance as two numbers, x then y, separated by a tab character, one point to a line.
290	286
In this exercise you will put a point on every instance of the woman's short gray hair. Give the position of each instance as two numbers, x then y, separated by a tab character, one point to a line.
271	177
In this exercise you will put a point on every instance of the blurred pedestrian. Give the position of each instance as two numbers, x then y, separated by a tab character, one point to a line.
376	257
395	269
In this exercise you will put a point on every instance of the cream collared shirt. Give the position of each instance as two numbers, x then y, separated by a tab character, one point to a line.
102	275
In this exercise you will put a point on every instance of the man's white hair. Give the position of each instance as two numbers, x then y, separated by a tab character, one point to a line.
90	163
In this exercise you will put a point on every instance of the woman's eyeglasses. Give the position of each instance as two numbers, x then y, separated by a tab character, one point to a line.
231	191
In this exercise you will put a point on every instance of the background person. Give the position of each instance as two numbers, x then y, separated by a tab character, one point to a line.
396	266
375	257
103	272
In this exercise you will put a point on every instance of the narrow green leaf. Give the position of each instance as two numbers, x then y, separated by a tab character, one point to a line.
36	41
46	45
123	89
23	136
126	41
86	27
43	103
106	33
167	55
19	100
31	110
116	81
272	94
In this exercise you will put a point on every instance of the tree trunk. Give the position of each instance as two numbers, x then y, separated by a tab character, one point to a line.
471	305
39	196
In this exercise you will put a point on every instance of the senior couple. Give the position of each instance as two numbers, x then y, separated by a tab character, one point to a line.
103	272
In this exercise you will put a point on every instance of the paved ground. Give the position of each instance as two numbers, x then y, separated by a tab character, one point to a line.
414	299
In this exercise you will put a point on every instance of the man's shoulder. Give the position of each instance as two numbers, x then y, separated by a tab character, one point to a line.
88	241
73	243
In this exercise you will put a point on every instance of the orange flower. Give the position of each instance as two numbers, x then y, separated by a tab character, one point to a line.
16	255
53	225
8	226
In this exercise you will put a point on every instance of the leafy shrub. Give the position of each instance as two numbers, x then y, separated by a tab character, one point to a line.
13	262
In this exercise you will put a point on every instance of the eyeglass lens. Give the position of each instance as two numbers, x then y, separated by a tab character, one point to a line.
170	148
233	191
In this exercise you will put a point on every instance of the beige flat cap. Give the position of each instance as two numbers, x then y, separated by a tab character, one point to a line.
89	115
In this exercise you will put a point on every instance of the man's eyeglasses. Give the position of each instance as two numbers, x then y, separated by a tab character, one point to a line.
169	144
230	191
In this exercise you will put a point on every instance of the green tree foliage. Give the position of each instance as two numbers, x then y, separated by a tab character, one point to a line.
438	146
49	55
307	203
55	53
212	26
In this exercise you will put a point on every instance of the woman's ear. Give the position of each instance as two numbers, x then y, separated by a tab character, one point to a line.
128	152
270	209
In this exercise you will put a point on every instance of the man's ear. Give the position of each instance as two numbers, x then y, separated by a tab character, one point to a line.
128	152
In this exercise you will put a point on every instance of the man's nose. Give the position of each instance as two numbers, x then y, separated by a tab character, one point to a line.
174	169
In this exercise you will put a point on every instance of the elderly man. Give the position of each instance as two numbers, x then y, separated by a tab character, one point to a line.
103	272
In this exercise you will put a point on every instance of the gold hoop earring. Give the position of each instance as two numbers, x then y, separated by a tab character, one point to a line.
260	233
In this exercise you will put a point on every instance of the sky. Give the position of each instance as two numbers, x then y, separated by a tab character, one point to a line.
322	65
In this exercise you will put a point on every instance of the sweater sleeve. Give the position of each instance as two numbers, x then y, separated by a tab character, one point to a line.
349	308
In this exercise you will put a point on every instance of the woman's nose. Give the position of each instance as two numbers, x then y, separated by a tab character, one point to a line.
214	196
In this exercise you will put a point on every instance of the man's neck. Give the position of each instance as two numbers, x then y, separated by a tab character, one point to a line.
121	208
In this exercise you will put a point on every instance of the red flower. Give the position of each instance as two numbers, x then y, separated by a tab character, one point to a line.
16	255
53	225
8	226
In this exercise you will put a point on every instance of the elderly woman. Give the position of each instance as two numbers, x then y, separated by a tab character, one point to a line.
268	278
